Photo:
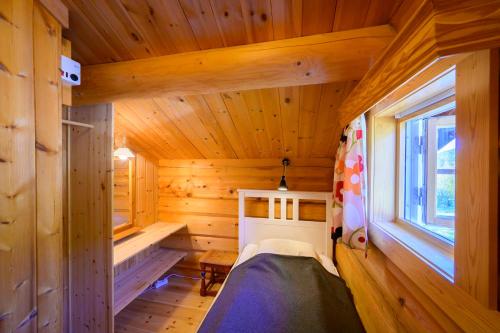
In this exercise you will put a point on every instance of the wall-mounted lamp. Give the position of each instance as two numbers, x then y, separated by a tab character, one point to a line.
123	153
283	186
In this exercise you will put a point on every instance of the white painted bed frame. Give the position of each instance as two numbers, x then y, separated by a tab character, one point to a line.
255	229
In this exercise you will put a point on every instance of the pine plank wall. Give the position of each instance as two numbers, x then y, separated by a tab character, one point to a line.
203	194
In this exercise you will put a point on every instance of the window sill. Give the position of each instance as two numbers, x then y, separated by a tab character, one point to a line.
433	252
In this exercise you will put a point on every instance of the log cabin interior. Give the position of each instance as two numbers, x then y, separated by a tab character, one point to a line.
249	166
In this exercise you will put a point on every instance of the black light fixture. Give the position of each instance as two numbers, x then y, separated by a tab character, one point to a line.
283	186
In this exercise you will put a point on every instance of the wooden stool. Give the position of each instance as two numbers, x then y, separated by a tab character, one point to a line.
219	262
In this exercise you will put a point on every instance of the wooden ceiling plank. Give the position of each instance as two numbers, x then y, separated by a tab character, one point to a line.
287	18
350	14
168	20
161	124
210	123
221	114
182	114
138	142
338	129
202	20
318	16
129	115
289	99
332	57
85	28
332	95
147	33
257	123
257	16
380	12
239	114
270	105
309	105
151	129
229	19
114	22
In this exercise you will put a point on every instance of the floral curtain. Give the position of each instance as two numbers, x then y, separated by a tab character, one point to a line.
349	186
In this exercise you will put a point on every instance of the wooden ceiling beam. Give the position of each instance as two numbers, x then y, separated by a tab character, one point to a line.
331	57
437	29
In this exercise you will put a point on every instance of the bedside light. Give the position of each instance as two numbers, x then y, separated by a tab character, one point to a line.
283	186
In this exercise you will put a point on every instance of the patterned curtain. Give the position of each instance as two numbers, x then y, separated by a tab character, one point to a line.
349	186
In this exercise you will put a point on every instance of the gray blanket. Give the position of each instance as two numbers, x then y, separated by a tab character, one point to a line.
276	293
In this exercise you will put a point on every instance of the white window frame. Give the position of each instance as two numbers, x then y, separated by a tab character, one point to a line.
432	125
402	119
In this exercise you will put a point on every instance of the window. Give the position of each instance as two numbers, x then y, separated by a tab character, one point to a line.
427	172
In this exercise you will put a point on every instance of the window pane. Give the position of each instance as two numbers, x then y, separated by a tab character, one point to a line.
445	172
429	174
445	195
415	170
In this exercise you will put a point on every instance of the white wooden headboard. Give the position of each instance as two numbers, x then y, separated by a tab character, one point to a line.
254	229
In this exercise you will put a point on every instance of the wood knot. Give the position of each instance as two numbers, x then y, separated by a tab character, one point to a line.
226	14
263	17
401	301
287	100
134	36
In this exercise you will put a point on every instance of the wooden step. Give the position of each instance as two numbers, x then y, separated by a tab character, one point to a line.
132	283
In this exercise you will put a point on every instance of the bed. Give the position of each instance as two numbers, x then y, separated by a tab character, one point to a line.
284	279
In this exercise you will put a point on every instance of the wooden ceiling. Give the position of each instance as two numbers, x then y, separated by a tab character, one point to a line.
277	122
293	121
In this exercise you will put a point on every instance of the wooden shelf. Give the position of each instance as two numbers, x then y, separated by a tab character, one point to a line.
133	282
124	234
143	239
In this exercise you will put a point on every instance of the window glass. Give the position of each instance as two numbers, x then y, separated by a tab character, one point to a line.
429	173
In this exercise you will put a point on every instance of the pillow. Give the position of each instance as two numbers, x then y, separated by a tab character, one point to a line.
287	247
328	264
247	253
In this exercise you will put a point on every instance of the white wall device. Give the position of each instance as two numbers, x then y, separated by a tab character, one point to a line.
70	71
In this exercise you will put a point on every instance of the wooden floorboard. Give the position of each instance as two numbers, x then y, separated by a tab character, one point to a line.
177	307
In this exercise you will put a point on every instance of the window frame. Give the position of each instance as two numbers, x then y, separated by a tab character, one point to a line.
432	169
445	105
384	127
475	145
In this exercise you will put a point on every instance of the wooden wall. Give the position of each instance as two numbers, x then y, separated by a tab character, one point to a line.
17	168
90	231
386	299
203	194
30	169
146	185
48	129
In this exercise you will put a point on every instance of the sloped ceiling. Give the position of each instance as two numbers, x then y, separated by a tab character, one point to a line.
291	121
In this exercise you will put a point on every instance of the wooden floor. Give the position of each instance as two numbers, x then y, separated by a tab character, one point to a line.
177	307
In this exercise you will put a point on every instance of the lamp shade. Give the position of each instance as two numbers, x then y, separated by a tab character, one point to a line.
123	153
283	186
